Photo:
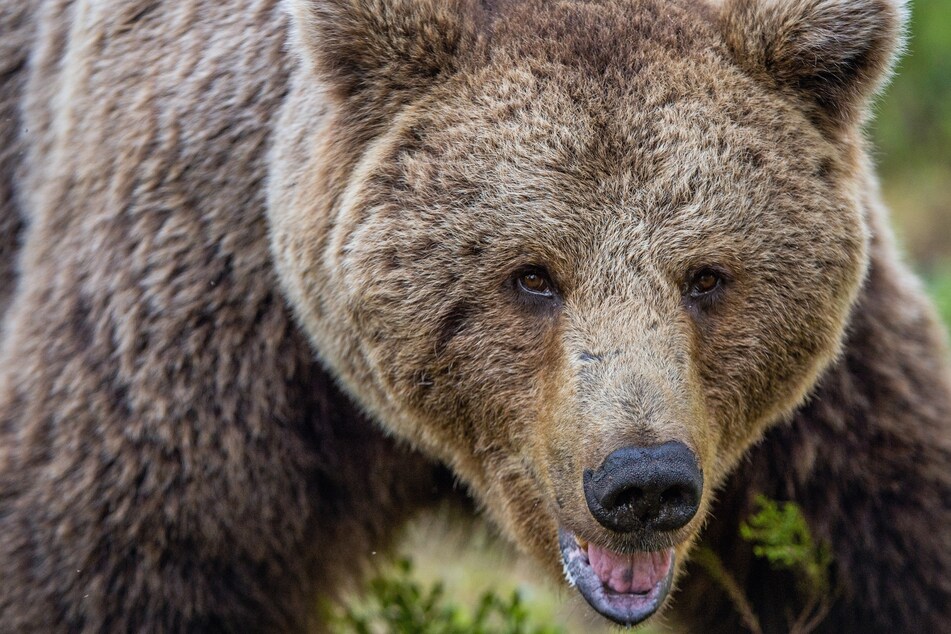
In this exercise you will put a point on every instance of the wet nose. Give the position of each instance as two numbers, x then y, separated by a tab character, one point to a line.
654	488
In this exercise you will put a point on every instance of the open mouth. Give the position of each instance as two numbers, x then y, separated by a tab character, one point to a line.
624	587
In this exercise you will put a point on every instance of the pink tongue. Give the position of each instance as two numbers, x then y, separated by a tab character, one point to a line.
635	573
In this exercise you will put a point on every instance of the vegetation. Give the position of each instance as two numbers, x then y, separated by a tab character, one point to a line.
912	144
397	603
941	291
913	126
779	533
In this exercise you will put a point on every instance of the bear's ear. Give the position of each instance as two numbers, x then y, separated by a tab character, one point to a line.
380	52
830	55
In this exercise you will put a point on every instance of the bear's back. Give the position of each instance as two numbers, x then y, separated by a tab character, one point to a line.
152	381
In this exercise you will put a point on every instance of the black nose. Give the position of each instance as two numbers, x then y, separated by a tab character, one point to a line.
645	488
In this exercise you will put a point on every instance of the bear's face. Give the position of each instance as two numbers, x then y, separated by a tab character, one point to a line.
583	252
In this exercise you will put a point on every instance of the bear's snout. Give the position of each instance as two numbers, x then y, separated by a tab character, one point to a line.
655	488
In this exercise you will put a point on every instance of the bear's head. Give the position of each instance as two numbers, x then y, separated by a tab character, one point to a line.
583	252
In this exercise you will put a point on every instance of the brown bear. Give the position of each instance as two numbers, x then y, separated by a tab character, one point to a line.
275	274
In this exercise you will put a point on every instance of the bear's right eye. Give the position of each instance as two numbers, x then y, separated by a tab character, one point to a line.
535	283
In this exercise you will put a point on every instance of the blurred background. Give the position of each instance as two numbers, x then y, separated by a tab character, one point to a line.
912	140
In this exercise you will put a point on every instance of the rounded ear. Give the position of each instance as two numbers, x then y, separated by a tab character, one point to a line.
374	53
832	56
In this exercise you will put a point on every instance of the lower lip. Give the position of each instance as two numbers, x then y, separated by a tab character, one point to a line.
623	608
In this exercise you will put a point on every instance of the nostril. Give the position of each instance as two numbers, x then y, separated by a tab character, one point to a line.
626	497
674	496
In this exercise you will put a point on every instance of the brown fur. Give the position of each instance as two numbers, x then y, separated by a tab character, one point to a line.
16	25
166	435
172	457
866	459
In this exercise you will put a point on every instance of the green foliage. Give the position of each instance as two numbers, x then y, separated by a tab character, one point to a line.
779	533
913	129
397	604
940	287
912	134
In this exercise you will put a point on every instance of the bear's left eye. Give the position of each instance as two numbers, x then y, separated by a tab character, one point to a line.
704	281
704	285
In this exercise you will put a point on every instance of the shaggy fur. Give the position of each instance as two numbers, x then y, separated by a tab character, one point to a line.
16	27
172	458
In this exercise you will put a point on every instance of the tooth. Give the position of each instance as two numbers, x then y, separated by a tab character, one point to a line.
582	543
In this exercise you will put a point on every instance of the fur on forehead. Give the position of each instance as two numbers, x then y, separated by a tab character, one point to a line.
830	56
376	55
